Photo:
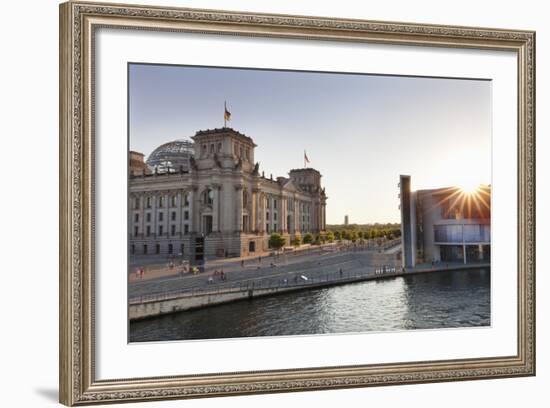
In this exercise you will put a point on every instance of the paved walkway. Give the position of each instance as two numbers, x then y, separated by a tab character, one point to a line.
272	271
158	269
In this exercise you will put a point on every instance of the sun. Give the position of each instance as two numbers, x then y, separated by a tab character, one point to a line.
469	187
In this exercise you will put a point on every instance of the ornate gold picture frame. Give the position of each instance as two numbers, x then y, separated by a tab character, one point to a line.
79	22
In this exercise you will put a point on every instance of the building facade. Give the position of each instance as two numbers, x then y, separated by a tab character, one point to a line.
220	205
444	225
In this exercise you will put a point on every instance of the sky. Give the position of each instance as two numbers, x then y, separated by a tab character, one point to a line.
360	131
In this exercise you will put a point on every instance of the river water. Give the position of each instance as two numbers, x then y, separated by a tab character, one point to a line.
424	301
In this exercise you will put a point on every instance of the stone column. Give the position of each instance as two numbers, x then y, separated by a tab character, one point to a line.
193	210
261	213
284	226
254	213
298	218
154	214
179	215
239	203
216	208
181	210
142	213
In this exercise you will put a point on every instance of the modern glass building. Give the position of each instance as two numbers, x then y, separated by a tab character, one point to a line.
445	224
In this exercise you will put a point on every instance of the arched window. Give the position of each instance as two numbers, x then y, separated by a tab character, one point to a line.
208	196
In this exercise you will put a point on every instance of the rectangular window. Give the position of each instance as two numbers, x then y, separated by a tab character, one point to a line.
161	216
145	249
136	231
275	216
207	224
136	203
274	203
148	217
148	233
186	215
173	230
186	200
157	249
182	250
267	227
161	230
136	217
148	202
173	216
170	249
186	229
161	201
133	249
173	199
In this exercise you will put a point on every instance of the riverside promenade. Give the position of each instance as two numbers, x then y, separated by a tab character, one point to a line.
249	278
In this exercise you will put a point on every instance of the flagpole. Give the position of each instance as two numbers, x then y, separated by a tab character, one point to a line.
224	110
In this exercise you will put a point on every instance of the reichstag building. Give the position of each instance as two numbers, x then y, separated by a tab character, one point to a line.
207	198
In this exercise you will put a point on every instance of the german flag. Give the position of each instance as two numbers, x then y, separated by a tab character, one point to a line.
226	113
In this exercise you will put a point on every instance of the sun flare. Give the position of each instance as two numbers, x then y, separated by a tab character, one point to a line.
469	187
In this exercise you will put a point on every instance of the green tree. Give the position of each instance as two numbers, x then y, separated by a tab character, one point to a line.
336	235
276	241
308	238
297	240
330	236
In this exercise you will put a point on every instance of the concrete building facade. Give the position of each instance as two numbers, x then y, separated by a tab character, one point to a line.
444	225
220	206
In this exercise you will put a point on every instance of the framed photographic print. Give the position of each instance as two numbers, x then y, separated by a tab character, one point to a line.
262	203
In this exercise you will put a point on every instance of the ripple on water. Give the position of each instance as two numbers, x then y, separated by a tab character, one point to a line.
427	301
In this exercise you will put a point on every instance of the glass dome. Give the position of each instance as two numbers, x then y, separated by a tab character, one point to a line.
172	156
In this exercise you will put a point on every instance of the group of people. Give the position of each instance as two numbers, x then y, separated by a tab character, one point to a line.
384	269
220	273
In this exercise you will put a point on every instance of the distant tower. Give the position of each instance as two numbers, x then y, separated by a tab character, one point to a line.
346	220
